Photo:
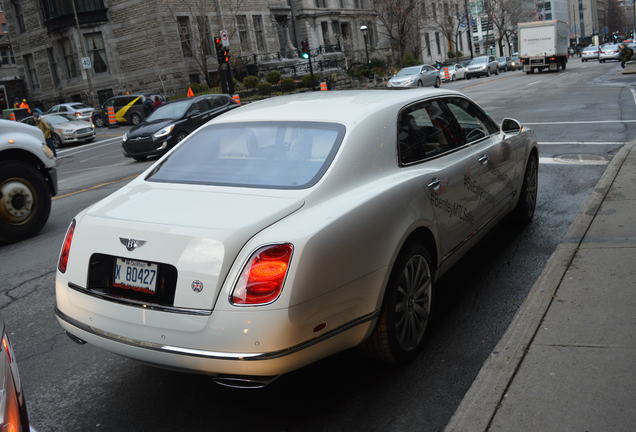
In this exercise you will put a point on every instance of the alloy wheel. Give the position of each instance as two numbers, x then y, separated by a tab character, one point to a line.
413	303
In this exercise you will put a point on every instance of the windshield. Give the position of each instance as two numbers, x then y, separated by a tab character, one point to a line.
502	59
79	106
479	60
172	110
515	58
59	118
409	71
273	155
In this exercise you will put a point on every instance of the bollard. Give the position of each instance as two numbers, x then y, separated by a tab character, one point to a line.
323	85
12	116
112	120
236	98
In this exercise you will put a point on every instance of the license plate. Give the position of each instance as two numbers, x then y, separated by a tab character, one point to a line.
135	275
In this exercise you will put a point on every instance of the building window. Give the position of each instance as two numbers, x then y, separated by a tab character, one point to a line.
244	37
345	30
427	42
53	66
195	79
324	26
461	42
69	58
257	20
342	5
18	15
439	51
434	10
96	51
6	55
477	48
183	23
446	9
205	36
32	73
372	35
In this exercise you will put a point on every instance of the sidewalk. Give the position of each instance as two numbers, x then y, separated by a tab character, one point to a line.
568	360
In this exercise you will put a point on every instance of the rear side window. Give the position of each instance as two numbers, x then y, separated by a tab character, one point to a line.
217	101
426	130
273	155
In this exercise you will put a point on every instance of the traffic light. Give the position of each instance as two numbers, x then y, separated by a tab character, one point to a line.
218	46
304	49
225	55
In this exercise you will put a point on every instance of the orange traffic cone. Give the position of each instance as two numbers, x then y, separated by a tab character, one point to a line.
323	86
190	92
236	98
12	116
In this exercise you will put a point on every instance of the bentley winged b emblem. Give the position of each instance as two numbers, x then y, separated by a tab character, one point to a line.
132	244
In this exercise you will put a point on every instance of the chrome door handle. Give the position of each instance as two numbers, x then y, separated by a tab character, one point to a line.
434	184
483	160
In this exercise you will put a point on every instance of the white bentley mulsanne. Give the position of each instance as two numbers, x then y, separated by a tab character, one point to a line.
293	228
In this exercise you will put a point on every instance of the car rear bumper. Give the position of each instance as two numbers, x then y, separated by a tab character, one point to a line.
213	362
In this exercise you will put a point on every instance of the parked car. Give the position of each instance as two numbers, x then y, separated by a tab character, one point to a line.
79	110
129	109
13	408
484	65
455	72
66	128
241	253
171	123
504	64
590	53
609	52
515	63
28	180
416	76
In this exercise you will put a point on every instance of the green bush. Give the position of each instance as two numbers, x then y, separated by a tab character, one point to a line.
409	60
287	84
250	81
265	88
307	81
198	87
273	77
455	54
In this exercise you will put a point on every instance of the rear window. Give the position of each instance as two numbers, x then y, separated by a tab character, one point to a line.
272	155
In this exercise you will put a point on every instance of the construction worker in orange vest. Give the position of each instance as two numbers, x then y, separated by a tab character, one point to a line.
25	105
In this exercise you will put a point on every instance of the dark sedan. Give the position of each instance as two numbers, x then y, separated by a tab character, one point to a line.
171	123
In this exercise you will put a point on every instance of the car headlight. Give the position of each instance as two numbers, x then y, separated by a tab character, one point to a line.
124	136
164	132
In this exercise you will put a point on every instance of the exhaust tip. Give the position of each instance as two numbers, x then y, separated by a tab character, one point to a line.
75	339
244	382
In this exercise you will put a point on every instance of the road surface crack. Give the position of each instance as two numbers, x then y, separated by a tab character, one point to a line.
10	293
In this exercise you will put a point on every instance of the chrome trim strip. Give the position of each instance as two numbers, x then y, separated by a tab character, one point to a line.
139	304
214	354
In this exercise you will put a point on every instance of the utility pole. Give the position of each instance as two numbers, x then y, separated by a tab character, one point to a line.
468	24
89	79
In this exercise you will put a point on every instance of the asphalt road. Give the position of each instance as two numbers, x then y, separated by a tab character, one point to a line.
581	118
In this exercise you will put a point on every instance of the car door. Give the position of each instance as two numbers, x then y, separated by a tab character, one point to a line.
492	182
197	115
460	72
432	147
429	74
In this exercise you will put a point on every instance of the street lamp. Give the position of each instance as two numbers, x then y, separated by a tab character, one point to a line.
364	29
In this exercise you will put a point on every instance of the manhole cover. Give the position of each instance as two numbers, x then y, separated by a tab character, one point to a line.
580	159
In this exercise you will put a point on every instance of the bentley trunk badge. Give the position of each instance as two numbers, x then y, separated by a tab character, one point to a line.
132	244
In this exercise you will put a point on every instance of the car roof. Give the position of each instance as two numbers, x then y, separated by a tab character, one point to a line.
347	107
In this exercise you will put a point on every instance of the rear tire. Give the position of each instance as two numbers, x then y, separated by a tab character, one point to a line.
135	119
25	201
524	210
497	71
139	158
406	309
487	72
438	82
419	84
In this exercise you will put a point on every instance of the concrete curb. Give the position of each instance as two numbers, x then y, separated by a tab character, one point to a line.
479	405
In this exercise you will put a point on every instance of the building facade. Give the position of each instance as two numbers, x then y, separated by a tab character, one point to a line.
443	30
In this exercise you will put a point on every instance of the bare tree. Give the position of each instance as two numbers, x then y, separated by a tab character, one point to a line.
504	16
400	24
449	21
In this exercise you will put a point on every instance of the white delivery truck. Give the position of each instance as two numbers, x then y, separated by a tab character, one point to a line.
543	45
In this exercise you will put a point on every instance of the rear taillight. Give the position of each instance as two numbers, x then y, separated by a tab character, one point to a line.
263	277
66	248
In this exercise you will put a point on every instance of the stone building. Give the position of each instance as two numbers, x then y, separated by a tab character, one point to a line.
443	30
162	46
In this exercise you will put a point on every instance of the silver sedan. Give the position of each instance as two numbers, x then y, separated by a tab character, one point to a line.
297	227
68	130
416	76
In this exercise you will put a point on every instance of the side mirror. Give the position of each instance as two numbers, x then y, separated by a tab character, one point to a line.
510	126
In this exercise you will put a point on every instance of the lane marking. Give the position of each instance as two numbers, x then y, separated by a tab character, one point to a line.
581	161
580	142
99	186
88	146
580	122
633	94
533	83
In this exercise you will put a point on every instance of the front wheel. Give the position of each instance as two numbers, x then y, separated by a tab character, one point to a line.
467	76
25	201
419	84
406	308
497	71
57	141
524	210
98	121
438	82
487	72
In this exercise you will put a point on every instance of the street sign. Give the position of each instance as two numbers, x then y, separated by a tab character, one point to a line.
225	41
86	62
